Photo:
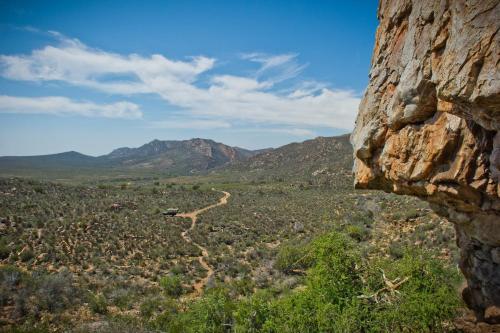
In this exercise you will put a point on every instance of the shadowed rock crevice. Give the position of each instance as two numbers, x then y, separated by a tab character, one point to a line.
429	124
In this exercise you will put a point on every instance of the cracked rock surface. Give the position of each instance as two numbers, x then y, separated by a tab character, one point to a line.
429	123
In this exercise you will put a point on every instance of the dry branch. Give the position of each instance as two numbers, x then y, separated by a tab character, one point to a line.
390	286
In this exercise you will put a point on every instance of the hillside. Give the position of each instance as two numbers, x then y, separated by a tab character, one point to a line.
317	159
67	159
168	157
177	156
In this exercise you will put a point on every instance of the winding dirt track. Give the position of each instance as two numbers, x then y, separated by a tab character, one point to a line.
198	286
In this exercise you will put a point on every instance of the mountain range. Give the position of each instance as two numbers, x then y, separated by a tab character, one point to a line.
196	156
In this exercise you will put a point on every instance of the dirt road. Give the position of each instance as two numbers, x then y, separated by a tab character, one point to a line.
198	286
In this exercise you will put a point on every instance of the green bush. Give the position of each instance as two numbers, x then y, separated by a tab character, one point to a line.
121	297
252	313
56	292
339	289
333	300
158	304
332	284
178	269
10	276
292	257
396	250
211	314
4	250
427	299
357	232
172	285
27	255
98	303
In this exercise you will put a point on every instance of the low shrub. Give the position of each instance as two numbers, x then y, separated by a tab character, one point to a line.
98	303
292	256
27	255
357	232
342	294
4	250
172	285
213	313
56	292
396	250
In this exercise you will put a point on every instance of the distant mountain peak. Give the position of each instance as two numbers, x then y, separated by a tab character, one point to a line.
197	154
184	157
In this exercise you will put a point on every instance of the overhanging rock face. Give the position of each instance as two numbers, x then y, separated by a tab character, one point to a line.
429	124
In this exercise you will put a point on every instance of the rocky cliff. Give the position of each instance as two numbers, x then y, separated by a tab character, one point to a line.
429	124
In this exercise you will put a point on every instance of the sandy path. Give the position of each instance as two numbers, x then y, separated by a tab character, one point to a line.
198	286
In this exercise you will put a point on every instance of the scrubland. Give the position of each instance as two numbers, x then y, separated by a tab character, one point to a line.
288	256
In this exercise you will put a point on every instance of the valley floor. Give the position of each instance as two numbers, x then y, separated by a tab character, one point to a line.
101	257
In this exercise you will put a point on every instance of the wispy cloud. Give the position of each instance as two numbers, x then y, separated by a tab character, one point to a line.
182	123
299	132
276	68
56	105
228	97
77	64
294	131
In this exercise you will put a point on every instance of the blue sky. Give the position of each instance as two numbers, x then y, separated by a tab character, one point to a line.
92	76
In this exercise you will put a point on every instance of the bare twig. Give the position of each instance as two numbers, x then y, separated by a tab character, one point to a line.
390	286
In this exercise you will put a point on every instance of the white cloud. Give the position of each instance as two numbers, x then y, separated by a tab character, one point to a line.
229	98
199	124
294	131
77	64
56	105
276	68
302	132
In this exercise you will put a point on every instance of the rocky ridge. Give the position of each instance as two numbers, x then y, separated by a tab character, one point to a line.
177	157
429	124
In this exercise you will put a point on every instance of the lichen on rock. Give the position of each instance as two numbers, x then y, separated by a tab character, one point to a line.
429	124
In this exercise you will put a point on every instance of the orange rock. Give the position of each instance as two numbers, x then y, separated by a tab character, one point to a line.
429	123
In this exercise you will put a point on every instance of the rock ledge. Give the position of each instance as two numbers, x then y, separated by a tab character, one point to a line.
429	124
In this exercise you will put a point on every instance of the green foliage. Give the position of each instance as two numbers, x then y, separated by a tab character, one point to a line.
172	285
211	314
178	269
98	303
4	250
396	250
337	297
121	297
293	256
336	259
10	276
427	299
158	305
310	284
332	284
331	302
357	232
252	313
30	294
56	292
243	287
27	255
